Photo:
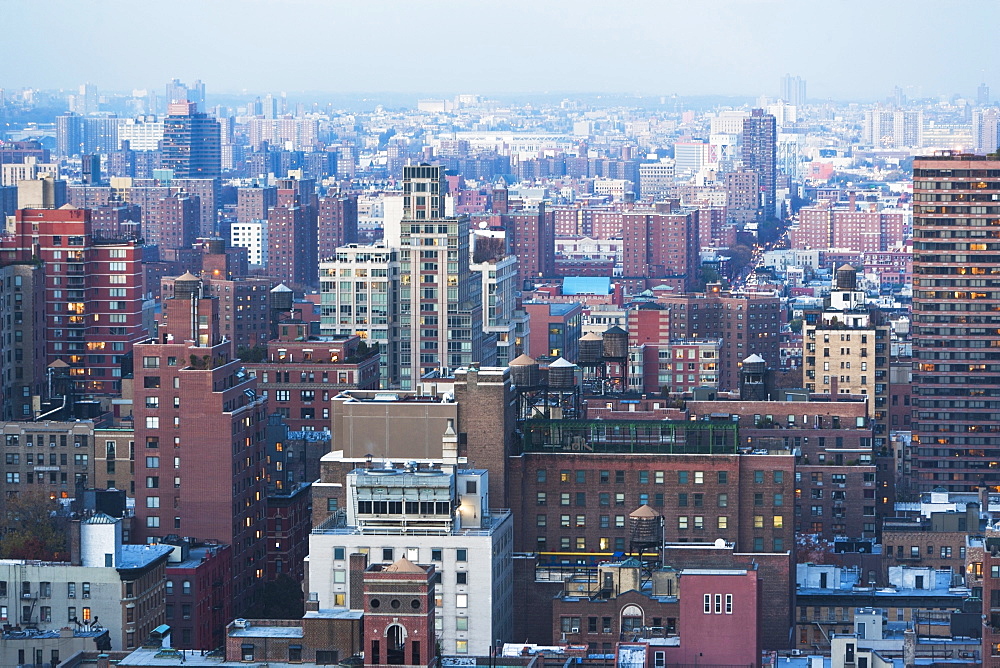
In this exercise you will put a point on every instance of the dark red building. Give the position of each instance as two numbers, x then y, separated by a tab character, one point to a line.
337	223
532	239
93	292
300	374
200	434
199	595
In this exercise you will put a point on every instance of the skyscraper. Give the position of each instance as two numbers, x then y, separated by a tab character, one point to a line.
191	142
760	155
793	89
441	317
956	296
69	134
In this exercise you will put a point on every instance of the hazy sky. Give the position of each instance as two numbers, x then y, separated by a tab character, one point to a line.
845	49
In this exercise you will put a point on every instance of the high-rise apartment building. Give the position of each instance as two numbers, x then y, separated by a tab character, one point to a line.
22	325
893	128
191	142
661	245
985	126
440	307
69	134
359	288
199	435
845	349
760	155
337	223
532	240
93	292
956	297
172	222
253	203
793	89
291	245
501	316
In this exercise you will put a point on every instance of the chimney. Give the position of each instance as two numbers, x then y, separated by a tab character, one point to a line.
103	661
357	563
75	557
449	445
909	648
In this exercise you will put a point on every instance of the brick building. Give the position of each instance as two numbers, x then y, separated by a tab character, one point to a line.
337	223
662	247
199	595
93	292
300	373
574	502
197	414
744	324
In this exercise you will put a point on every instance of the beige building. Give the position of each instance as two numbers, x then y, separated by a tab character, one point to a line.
844	349
105	585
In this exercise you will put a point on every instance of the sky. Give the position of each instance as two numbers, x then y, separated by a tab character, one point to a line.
845	49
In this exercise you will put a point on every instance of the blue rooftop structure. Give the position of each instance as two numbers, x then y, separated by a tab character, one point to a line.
586	285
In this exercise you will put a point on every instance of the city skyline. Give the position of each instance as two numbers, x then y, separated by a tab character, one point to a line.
743	47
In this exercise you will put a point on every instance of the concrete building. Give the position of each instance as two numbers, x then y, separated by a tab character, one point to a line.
760	156
253	237
106	585
143	133
440	301
359	288
438	516
501	316
845	349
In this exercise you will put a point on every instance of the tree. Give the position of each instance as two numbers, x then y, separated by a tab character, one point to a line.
35	529
255	354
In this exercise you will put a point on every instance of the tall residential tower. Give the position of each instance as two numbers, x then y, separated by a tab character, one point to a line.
956	322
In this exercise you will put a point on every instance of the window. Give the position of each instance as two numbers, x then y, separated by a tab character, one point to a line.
540	475
682	522
461	623
461	646
540	499
758	521
461	600
778	521
729	604
723	477
723	522
461	554
758	477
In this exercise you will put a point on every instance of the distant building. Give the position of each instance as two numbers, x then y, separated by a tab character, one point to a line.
191	142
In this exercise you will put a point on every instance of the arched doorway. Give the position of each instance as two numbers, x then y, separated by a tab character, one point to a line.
395	637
